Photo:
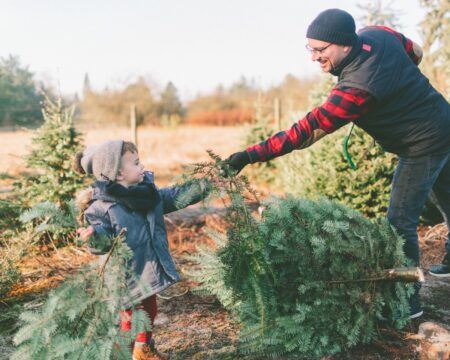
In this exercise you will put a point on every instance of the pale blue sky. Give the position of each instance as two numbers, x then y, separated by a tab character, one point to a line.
194	43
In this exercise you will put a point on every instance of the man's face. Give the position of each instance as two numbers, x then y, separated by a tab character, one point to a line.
131	170
328	55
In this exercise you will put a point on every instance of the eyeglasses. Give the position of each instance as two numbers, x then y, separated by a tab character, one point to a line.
317	50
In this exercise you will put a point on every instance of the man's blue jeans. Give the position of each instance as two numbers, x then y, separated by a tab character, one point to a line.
415	179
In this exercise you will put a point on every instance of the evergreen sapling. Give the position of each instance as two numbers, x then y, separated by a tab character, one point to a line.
80	319
55	144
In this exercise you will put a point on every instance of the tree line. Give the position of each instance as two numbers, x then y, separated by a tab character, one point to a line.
21	94
21	97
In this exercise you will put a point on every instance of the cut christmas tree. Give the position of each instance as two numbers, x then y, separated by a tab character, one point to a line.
307	278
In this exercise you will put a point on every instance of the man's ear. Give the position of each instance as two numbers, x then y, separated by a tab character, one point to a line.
347	49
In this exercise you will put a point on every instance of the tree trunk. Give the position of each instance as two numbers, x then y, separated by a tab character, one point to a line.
407	274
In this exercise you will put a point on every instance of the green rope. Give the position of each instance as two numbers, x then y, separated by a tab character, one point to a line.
345	144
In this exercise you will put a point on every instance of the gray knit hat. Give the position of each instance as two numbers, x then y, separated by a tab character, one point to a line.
103	160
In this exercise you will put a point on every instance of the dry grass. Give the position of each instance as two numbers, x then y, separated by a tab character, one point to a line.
162	150
15	145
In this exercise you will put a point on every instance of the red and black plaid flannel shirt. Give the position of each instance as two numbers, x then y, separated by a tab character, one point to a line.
344	105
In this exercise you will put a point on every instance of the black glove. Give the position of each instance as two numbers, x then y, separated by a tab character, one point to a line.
238	160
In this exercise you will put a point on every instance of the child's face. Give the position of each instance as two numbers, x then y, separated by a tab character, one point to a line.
131	170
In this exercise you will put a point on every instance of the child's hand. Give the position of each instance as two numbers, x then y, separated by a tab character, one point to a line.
85	233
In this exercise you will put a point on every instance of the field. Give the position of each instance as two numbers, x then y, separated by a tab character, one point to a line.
189	326
162	150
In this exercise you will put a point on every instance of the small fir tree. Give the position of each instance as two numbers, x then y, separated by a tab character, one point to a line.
55	144
79	319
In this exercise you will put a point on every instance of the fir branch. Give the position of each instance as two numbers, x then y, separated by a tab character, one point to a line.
116	240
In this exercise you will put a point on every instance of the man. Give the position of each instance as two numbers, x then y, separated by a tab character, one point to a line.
380	89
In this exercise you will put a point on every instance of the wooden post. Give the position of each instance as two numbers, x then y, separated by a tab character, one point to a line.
277	112
133	124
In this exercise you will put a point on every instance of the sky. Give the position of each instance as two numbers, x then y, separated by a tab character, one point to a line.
196	44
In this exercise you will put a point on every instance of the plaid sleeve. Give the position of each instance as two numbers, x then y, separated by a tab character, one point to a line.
344	104
407	43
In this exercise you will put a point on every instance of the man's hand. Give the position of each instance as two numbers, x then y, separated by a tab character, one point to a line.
85	233
238	160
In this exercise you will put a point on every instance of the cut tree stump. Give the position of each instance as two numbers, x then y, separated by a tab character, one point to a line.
409	274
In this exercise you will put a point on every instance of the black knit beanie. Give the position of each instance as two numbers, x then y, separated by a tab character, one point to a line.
334	26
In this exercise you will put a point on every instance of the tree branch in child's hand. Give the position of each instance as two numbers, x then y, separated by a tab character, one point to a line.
85	233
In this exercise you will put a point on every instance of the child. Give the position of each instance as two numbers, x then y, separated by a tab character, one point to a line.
124	196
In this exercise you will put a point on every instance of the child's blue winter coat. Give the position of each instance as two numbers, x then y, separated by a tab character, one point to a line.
145	233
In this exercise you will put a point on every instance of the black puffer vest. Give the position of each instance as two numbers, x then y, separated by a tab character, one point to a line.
410	118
